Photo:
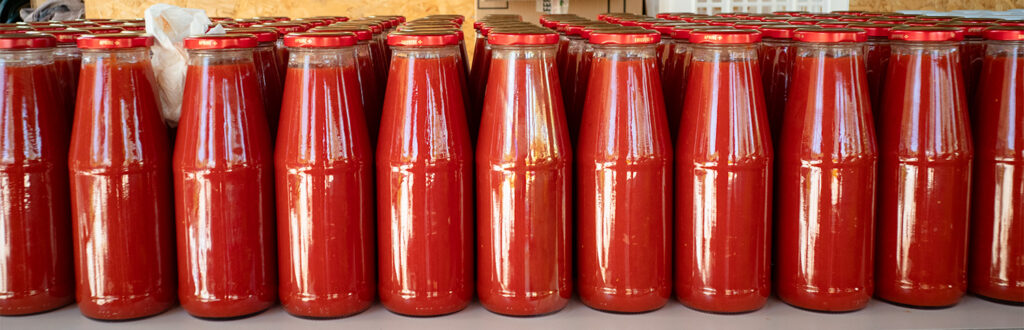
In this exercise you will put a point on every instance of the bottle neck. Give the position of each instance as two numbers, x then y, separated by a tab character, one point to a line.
121	55
823	51
26	57
314	58
625	52
723	53
207	57
934	50
1014	49
524	52
425	52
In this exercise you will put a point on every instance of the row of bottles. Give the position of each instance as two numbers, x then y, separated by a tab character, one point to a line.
552	183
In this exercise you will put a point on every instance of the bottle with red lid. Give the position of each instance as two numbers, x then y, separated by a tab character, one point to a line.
925	153
972	51
776	59
324	174
279	47
68	60
723	177
370	97
676	74
624	171
36	273
825	176
997	205
424	180
267	71
876	60
122	206
524	183
224	183
378	51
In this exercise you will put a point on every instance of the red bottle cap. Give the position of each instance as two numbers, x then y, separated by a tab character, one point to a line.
755	25
969	29
133	27
854	19
262	34
81	25
847	12
977	20
918	22
320	39
26	40
1014	22
522	38
873	30
926	33
361	33
422	38
683	32
832	25
780	31
68	36
830	35
872	14
803	21
220	41
902	15
375	29
33	23
622	37
938	18
9	30
101	29
1004	33
724	36
827	16
220	19
789	13
782	19
51	27
666	28
886	20
115	40
284	28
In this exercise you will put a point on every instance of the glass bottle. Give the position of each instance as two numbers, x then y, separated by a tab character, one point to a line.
997	205
279	47
624	172
120	165
36	273
876	59
675	75
776	57
267	72
67	59
324	174
370	97
925	154
424	180
723	177
972	52
825	176
524	264
223	183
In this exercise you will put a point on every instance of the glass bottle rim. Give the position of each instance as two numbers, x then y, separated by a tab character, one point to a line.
320	39
27	41
114	41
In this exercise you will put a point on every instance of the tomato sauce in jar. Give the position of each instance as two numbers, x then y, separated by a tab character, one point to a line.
997	205
876	61
424	180
36	273
723	177
224	183
825	176
267	71
776	59
925	153
624	171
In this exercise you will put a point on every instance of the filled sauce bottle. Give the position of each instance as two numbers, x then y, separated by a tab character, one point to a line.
624	171
67	59
723	177
825	176
424	180
324	172
36	272
370	97
524	256
120	165
876	61
925	156
675	75
997	217
776	59
267	74
224	183
280	50
972	52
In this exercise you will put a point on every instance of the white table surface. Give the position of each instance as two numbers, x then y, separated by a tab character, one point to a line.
972	312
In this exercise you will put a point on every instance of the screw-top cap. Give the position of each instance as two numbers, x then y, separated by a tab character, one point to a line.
114	40
361	33
977	20
220	41
829	35
755	25
26	40
20	29
803	21
780	31
262	34
969	29
1014	22
283	28
724	36
68	36
320	39
502	37
418	38
873	30
624	37
886	20
827	16
666	28
854	19
51	27
789	13
918	22
1004	33
938	18
926	33
832	25
101	29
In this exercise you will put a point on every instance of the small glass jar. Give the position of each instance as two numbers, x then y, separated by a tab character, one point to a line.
36	273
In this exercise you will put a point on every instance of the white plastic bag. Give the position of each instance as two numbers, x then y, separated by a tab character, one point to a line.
169	25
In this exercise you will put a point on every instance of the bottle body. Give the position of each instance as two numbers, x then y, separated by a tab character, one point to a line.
997	205
224	189
723	184
268	75
424	186
36	266
676	74
825	181
524	186
121	190
776	59
925	162
67	59
624	171
324	179
877	63
368	90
